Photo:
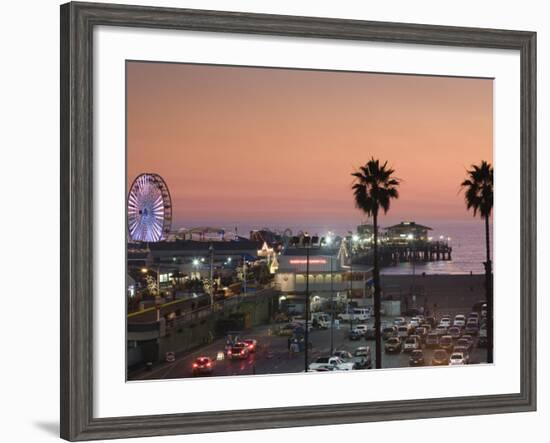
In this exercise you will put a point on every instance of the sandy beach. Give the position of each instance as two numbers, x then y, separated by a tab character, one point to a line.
457	291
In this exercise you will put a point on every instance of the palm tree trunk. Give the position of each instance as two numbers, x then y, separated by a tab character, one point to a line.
489	293
376	281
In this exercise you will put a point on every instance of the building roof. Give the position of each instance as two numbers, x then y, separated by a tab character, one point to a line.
301	252
412	225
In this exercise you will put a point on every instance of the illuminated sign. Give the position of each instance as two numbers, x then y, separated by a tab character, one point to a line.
312	261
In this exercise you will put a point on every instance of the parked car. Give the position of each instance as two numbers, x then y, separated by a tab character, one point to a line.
414	322
440	358
389	332
460	320
441	330
464	351
345	356
472	327
403	331
362	357
202	366
457	358
335	362
416	358
475	315
432	340
361	329
455	332
445	322
465	343
355	335
393	344
411	343
320	320
355	314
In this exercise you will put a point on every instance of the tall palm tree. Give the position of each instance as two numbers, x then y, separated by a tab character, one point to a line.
373	188
478	192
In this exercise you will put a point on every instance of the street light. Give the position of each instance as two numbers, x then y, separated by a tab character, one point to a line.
412	239
327	242
307	242
352	239
211	250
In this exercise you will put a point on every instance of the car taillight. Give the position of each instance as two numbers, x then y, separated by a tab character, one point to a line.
229	352
195	365
209	365
250	346
242	352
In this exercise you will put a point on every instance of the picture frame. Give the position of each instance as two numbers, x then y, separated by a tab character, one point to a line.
78	21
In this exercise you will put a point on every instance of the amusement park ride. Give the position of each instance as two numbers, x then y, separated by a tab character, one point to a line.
149	209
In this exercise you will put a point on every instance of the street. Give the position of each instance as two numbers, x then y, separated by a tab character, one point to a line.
273	357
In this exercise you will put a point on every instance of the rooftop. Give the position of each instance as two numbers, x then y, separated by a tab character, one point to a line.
409	225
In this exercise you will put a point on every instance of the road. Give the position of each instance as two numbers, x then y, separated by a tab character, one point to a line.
272	356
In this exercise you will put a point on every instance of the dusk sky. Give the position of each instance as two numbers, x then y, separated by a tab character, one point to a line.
255	147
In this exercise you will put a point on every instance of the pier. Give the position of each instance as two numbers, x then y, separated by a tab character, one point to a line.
395	253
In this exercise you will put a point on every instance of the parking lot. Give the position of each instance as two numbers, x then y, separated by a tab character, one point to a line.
273	357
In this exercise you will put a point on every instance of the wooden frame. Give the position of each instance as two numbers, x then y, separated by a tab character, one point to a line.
77	23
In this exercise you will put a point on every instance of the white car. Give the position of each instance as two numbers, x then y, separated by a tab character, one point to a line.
356	314
411	344
460	321
457	359
335	363
445	322
360	329
403	331
415	322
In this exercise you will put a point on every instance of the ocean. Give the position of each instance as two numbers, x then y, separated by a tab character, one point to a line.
467	241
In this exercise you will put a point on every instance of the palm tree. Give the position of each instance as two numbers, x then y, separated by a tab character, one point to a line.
374	187
479	197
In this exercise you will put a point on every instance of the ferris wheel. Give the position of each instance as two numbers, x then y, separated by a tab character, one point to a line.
149	208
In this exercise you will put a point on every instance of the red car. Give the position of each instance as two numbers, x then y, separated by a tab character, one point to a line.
238	350
202	366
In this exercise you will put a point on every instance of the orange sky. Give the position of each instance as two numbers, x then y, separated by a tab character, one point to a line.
275	147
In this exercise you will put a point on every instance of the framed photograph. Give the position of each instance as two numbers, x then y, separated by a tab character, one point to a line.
274	221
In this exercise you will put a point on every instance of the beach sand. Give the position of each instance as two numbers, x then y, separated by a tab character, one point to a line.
447	291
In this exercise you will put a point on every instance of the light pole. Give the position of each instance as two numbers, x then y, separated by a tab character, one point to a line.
244	276
331	308
307	243
412	239
352	238
211	251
